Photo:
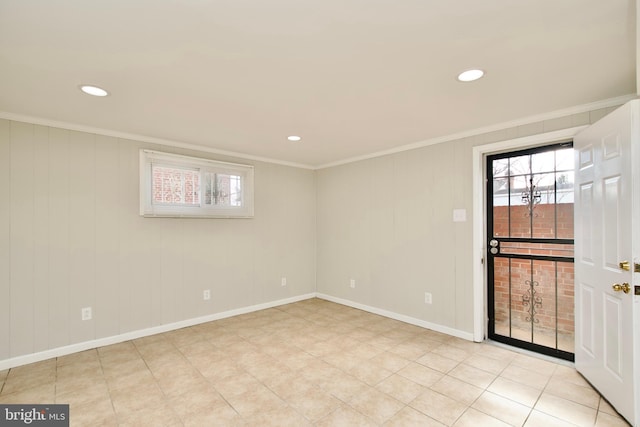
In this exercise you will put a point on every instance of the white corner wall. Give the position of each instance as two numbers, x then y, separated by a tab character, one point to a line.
71	237
387	223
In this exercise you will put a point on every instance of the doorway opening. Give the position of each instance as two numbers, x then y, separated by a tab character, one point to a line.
530	261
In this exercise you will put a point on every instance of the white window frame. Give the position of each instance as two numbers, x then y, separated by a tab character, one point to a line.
150	209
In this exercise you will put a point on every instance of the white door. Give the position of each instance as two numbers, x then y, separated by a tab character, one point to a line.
607	214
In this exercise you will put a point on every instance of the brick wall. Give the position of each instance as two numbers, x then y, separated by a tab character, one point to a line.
544	272
175	186
544	225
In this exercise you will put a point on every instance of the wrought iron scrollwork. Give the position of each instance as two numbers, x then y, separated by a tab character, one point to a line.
531	197
532	300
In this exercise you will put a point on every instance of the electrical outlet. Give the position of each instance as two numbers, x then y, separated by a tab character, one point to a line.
427	298
352	283
206	295
86	313
283	281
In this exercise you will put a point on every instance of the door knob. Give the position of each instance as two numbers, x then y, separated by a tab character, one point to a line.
626	266
624	287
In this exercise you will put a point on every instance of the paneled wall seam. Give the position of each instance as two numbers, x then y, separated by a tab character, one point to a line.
71	212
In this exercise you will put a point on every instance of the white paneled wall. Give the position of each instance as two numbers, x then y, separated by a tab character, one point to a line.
387	222
71	237
5	240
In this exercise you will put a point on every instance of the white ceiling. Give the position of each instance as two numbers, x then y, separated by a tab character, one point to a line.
352	77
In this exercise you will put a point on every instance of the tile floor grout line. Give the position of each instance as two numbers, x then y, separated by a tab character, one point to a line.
398	347
108	388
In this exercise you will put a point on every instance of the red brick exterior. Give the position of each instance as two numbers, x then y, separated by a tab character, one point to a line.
175	186
544	272
544	225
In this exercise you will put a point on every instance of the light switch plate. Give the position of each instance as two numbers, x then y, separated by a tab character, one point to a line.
459	215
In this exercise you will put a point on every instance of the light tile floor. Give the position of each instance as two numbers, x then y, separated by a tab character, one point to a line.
312	363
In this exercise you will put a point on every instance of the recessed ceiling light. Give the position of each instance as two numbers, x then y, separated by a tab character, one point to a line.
470	75
294	138
93	90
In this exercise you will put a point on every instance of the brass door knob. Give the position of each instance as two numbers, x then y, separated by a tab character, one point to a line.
624	287
624	265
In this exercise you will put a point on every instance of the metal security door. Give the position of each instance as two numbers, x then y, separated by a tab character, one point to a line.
530	249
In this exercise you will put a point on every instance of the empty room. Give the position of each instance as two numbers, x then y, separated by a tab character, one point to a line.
336	213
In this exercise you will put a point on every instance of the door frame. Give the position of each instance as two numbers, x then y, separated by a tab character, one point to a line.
509	257
480	316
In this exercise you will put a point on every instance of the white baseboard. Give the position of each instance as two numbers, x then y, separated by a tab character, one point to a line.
401	317
88	345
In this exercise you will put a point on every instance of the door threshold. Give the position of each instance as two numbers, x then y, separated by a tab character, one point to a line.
526	352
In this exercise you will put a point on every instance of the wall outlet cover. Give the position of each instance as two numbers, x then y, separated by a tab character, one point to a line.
86	313
428	299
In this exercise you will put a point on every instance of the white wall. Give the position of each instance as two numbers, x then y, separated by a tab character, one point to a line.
71	237
387	223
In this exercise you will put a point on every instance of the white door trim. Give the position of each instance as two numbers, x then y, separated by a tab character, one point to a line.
479	220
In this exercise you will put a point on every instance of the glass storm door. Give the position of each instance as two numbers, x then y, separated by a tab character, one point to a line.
530	249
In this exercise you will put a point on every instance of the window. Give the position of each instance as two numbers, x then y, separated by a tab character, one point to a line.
179	186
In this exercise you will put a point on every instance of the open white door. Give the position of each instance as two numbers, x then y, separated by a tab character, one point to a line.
607	235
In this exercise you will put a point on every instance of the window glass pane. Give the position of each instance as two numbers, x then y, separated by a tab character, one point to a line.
564	185
500	167
543	162
545	183
502	296
519	220
539	200
564	159
565	314
235	190
534	248
518	185
565	221
564	207
519	165
500	207
540	303
223	190
520	279
175	186
500	191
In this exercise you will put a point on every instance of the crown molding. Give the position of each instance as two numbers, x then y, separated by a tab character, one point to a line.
143	138
611	102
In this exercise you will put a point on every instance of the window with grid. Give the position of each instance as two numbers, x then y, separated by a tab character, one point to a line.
179	186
